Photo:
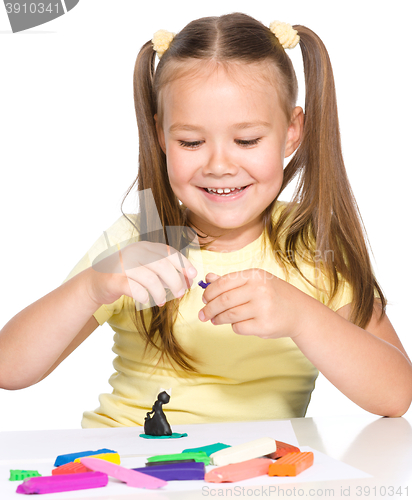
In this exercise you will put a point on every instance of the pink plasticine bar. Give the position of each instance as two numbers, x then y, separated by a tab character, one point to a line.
128	476
239	471
64	482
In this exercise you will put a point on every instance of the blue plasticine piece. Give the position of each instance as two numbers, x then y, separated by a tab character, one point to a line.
203	284
209	449
71	457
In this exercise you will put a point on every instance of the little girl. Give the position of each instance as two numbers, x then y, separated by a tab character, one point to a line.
291	288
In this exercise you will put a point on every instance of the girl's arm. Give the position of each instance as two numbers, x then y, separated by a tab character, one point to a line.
39	337
36	340
369	365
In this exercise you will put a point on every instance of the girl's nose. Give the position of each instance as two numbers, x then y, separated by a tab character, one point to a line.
220	164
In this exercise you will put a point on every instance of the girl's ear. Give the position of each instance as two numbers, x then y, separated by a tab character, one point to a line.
295	131
160	135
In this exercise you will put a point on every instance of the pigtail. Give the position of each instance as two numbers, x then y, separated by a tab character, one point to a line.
157	323
324	208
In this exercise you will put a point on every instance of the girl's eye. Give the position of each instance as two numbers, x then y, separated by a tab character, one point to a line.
191	144
247	143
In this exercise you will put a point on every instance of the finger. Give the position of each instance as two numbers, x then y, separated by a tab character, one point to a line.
211	277
144	253
238	314
248	328
149	280
225	302
150	253
223	284
137	291
182	264
169	277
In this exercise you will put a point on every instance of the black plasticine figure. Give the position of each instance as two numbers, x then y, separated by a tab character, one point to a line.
157	425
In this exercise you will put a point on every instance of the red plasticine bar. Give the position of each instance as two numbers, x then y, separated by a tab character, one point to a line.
291	464
240	471
283	449
66	482
71	468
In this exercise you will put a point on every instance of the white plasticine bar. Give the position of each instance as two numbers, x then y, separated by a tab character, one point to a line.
246	451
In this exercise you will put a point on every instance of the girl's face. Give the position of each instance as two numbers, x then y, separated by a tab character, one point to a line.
225	137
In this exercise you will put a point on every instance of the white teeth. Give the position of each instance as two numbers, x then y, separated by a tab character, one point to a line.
222	190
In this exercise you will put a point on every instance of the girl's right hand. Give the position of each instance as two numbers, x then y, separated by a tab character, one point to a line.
140	269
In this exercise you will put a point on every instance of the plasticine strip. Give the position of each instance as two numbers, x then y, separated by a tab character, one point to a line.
240	471
209	449
199	456
169	462
20	475
114	458
64	482
283	449
181	471
70	457
128	476
291	464
70	468
246	451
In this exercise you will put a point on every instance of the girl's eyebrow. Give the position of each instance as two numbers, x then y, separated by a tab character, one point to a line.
238	126
258	123
182	126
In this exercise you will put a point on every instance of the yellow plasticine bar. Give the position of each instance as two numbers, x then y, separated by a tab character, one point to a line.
291	464
246	451
114	458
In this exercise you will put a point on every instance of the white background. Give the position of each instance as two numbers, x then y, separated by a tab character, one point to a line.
69	152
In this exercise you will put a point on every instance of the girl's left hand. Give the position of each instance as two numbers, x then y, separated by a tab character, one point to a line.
254	302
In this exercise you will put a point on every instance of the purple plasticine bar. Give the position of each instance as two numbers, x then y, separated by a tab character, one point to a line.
64	482
128	476
203	284
71	457
176	472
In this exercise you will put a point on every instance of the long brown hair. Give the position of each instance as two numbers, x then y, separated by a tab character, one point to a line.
322	217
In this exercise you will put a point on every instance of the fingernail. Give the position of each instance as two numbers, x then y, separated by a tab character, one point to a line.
181	292
162	304
202	316
191	272
204	300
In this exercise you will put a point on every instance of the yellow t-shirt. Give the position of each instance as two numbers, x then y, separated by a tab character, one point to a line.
239	377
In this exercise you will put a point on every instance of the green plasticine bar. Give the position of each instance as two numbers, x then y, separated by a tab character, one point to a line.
197	456
19	475
209	449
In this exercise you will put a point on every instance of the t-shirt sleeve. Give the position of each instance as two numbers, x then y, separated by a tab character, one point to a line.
343	297
119	232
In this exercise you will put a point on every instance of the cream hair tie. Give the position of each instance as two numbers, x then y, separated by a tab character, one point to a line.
161	41
287	36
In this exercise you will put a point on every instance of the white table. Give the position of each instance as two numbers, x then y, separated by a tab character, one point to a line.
381	447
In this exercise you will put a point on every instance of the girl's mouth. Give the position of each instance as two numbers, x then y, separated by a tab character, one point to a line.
224	192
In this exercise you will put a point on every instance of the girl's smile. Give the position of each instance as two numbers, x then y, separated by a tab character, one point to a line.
225	137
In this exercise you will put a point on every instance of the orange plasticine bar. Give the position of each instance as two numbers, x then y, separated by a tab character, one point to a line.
291	464
239	471
282	449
